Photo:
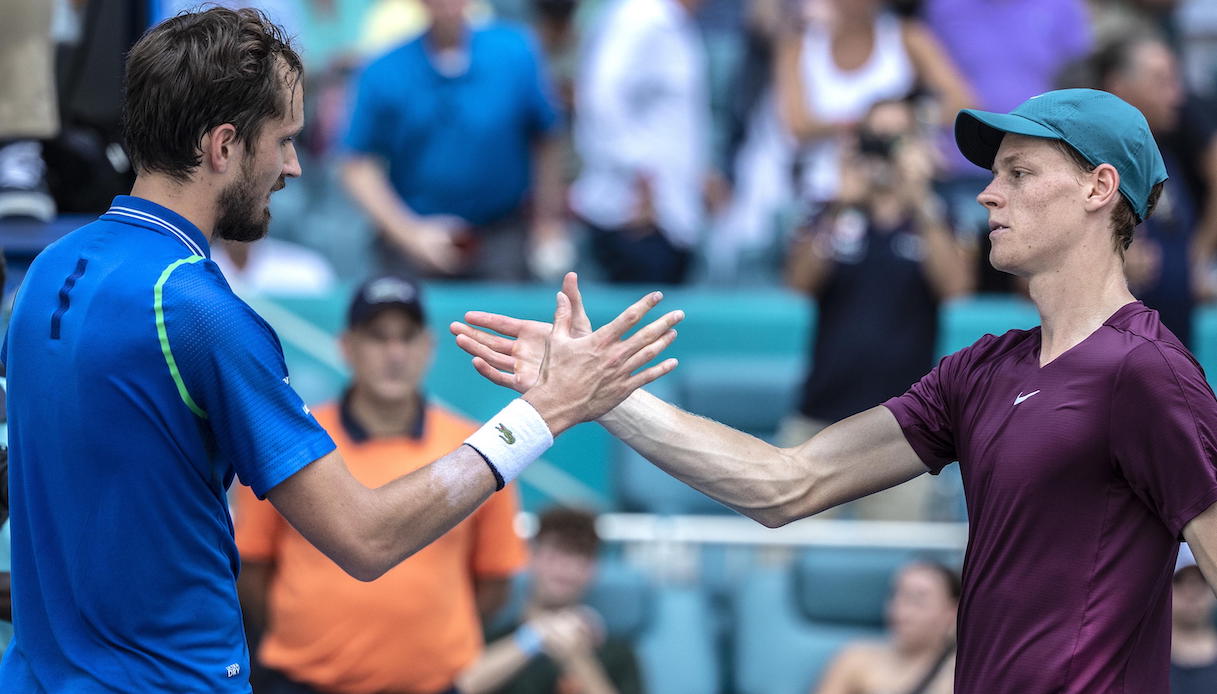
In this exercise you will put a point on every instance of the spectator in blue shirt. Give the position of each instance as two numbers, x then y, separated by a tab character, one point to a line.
453	152
140	386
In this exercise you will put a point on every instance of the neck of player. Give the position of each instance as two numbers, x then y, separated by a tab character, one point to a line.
192	200
1075	298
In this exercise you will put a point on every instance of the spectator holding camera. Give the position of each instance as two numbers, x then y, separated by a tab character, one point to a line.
879	259
559	645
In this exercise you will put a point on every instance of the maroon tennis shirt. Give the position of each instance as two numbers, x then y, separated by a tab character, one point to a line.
1079	478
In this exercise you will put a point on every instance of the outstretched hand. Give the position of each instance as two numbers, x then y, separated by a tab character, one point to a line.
514	361
569	372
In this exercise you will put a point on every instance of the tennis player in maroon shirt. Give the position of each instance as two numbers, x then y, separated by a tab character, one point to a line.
1087	445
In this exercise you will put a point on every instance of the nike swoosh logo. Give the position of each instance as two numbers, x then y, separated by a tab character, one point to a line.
1022	397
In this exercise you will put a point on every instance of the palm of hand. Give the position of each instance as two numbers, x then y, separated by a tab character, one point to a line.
531	348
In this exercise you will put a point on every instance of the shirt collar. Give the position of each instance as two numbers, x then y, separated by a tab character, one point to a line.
358	434
129	209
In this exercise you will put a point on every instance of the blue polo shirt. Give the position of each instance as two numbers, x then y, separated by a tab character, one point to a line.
139	385
456	145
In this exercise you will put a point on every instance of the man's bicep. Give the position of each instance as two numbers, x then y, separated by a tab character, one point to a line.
857	456
229	370
323	502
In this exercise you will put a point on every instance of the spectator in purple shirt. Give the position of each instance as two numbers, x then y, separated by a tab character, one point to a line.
1086	444
1037	38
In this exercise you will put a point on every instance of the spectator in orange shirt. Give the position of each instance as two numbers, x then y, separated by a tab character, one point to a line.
418	627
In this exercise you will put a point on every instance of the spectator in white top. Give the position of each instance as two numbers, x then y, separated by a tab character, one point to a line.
642	134
851	55
273	266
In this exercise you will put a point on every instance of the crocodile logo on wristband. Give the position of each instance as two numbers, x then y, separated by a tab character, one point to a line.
505	434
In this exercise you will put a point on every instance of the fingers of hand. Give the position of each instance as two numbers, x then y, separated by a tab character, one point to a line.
501	345
649	352
562	315
652	374
504	325
570	287
649	334
629	317
497	359
492	374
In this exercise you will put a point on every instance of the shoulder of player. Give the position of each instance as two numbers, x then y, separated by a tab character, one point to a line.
197	283
201	275
1149	359
990	347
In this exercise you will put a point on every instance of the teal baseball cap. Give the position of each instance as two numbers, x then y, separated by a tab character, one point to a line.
1104	128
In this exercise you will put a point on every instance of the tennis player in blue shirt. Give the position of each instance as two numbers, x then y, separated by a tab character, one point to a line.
139	386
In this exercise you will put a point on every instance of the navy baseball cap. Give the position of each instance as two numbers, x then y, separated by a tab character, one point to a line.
384	292
1104	128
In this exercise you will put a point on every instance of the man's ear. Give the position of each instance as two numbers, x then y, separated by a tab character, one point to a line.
219	148
1104	189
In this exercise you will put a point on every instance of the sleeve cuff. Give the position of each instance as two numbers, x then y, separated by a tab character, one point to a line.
291	462
1180	520
929	459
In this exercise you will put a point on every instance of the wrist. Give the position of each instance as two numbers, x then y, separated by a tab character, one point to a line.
528	640
511	440
553	410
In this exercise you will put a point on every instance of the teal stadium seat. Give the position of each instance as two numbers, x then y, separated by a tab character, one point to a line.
677	652
777	650
752	394
790	622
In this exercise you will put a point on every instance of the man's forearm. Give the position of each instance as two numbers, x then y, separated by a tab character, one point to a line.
859	455
947	265
369	187
548	194
747	474
368	531
501	661
588	673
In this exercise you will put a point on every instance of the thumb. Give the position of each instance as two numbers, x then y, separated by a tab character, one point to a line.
562	316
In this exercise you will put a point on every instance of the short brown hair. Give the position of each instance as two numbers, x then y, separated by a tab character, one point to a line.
196	71
569	529
1123	219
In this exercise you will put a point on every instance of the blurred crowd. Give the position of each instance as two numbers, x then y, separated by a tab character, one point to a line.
724	142
653	141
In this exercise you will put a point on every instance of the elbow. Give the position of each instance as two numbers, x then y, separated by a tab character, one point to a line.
772	518
789	500
365	558
363	567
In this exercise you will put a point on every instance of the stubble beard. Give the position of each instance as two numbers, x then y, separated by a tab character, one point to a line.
242	216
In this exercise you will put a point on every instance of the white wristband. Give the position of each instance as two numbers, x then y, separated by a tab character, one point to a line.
511	440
